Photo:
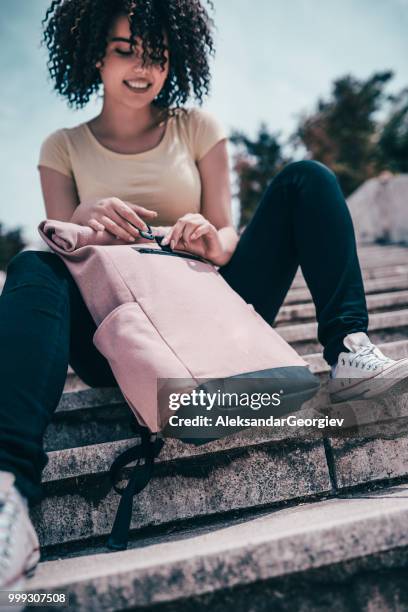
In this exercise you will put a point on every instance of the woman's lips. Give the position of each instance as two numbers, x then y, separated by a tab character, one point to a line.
138	89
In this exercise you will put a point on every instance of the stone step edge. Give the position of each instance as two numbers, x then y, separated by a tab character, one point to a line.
302	294
378	321
292	312
96	459
368	273
277	544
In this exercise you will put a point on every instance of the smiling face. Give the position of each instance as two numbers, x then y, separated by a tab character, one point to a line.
124	76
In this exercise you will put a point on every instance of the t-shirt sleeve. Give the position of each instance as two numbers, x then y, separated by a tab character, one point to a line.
204	131
54	153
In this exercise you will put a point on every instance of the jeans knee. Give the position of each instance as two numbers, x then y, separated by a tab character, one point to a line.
309	167
34	262
39	268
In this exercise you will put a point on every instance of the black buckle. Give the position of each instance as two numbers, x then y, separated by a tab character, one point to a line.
147	234
150	236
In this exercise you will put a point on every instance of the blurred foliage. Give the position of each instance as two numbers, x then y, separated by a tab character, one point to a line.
343	132
11	243
393	140
255	162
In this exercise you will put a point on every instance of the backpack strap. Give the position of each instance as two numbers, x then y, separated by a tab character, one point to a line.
148	449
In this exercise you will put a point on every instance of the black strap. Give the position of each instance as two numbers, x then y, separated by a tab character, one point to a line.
148	449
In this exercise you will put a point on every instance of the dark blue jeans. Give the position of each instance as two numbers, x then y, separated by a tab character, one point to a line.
302	219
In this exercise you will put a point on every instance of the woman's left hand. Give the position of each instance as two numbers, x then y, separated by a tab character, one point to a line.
193	233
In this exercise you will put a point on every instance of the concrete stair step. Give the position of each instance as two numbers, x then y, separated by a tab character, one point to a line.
383	327
369	273
376	445
370	248
393	283
73	382
240	562
381	256
369	252
248	469
377	302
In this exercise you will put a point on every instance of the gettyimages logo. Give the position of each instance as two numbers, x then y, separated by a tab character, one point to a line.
208	400
199	410
208	409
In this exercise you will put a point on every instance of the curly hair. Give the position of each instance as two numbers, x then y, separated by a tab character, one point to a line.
75	34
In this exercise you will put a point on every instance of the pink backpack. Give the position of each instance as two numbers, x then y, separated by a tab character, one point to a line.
168	323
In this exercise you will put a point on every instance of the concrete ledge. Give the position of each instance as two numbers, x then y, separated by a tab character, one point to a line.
379	321
82	505
393	283
381	270
291	540
377	301
377	447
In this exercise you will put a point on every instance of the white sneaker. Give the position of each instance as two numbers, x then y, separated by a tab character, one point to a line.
19	546
365	371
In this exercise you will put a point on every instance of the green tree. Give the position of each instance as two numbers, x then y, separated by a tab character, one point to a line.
393	140
255	162
11	243
343	132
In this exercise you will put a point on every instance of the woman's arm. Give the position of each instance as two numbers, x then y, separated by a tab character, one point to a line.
209	233
62	203
59	193
216	195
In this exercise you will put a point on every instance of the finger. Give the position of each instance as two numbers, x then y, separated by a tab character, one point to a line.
177	233
189	230
128	216
167	238
116	230
168	235
181	240
201	231
129	227
141	210
95	225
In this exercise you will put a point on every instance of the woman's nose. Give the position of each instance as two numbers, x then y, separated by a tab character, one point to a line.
138	64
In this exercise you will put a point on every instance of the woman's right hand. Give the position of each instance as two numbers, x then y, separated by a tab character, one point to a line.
114	215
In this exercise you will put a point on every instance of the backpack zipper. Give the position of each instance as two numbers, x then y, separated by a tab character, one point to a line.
171	253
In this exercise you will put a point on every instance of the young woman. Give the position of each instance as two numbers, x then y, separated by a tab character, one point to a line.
146	159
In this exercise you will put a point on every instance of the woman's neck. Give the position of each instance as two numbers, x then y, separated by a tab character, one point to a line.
125	123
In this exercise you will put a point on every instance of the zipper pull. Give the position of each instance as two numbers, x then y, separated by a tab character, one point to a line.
150	236
165	247
146	234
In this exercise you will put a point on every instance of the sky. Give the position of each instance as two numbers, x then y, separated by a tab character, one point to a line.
274	59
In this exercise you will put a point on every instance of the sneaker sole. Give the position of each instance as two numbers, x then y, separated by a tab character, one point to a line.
364	389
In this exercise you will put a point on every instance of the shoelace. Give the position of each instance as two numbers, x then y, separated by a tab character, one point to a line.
371	358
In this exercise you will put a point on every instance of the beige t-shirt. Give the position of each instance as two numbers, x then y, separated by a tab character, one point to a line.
165	178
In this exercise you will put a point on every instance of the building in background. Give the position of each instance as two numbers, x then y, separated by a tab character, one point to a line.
379	209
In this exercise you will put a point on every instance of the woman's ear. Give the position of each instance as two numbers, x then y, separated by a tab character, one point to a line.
98	64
